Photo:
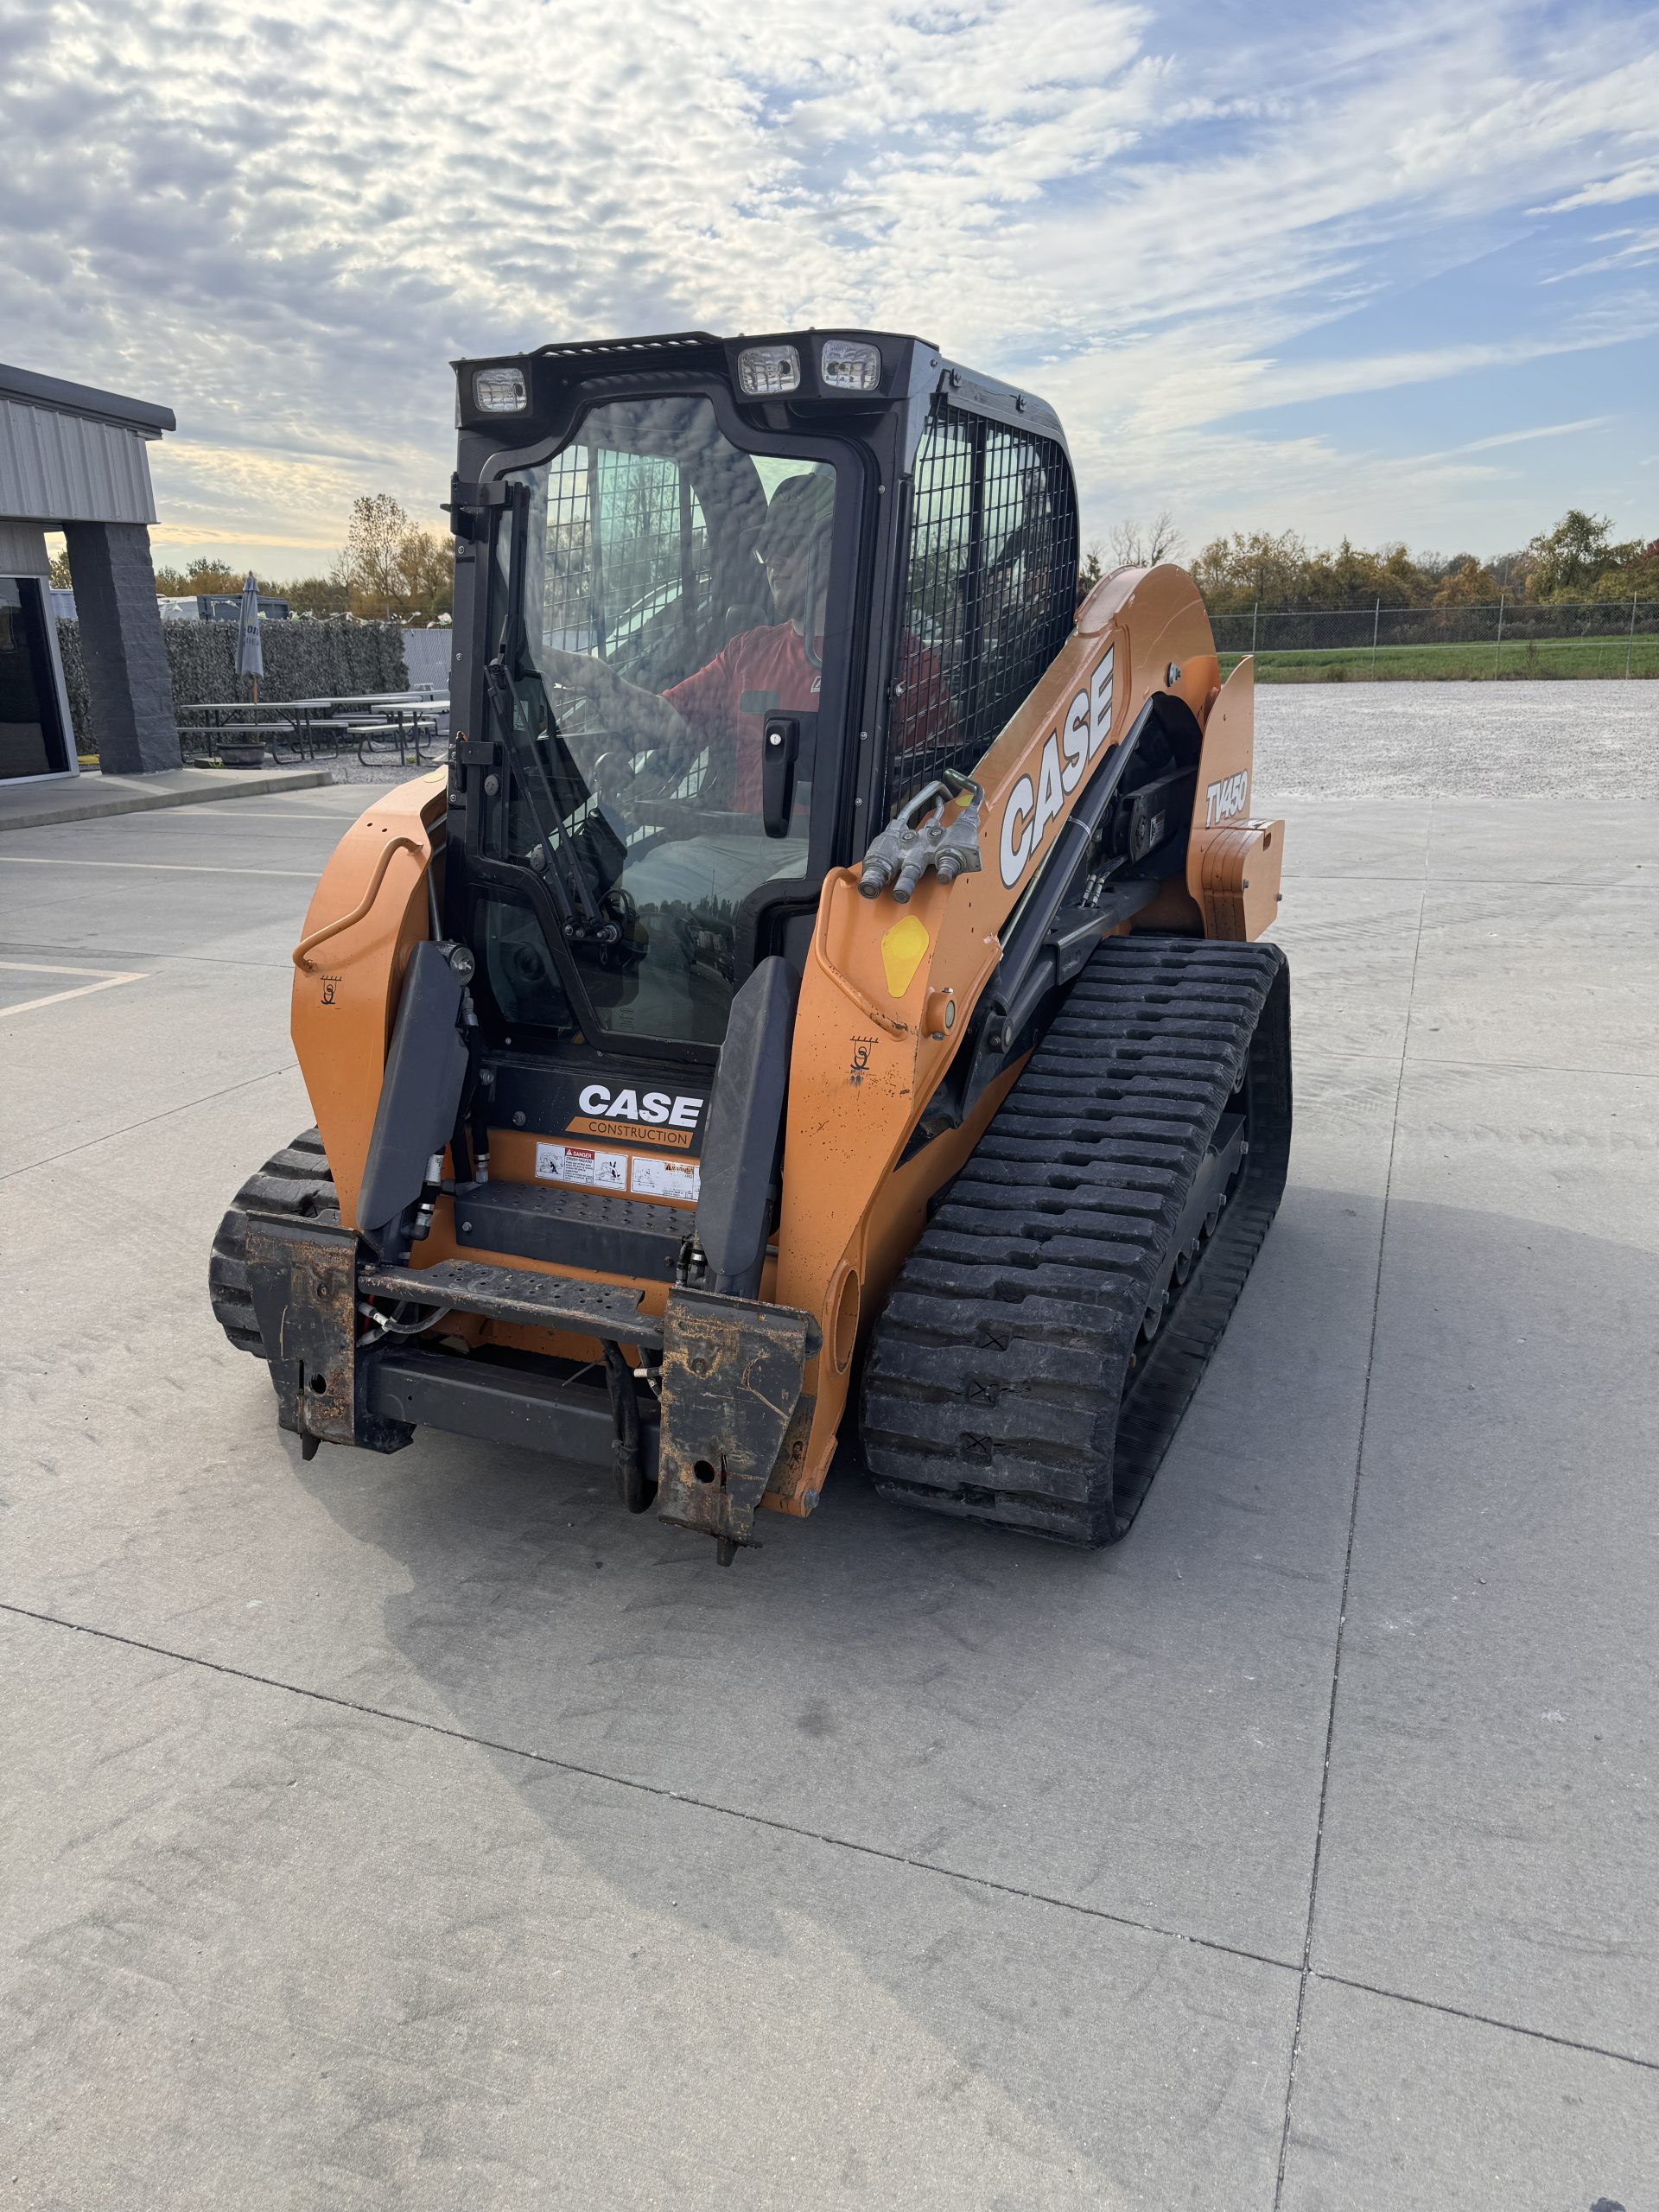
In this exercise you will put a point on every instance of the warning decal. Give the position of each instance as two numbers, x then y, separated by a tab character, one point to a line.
581	1164
665	1179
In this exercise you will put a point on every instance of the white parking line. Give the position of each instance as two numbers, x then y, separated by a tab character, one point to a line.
198	815
156	867
107	980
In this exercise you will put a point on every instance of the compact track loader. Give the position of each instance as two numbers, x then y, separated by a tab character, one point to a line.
819	1000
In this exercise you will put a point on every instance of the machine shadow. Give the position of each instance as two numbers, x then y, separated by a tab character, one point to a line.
930	1690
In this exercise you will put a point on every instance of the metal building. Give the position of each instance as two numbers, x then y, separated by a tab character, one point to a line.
72	459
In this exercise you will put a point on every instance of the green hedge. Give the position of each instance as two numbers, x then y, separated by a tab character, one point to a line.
74	683
304	659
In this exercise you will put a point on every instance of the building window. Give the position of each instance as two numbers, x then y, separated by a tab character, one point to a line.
31	722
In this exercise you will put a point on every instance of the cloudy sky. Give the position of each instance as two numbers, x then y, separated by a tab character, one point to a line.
1392	270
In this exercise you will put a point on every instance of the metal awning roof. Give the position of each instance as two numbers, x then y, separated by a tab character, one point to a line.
141	415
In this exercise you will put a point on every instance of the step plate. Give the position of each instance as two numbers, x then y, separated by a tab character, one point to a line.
536	1301
572	1228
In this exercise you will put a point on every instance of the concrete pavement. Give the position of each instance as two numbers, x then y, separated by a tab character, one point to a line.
421	1832
1590	738
38	804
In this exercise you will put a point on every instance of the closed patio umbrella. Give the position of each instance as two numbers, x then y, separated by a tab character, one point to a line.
250	652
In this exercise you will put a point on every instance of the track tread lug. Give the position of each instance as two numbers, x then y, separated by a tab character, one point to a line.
294	1181
1003	1381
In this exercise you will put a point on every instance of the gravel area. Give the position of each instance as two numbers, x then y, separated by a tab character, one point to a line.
348	769
1578	740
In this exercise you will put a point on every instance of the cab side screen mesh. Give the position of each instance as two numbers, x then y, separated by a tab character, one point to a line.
990	591
626	563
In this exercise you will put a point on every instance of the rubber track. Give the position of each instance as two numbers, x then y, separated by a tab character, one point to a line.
294	1181
1004	1380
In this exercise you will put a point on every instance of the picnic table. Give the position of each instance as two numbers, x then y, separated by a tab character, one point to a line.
220	714
238	730
371	721
401	719
374	733
427	695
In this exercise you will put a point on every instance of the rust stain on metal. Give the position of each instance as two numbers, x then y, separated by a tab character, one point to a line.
304	1279
733	1371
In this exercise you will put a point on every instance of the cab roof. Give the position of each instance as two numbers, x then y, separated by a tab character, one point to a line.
912	369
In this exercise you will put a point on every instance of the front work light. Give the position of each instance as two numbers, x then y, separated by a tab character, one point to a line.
767	371
846	364
499	391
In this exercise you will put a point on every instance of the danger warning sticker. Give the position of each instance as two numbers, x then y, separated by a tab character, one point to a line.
581	1164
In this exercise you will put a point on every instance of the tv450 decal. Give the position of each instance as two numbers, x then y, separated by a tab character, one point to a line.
1224	800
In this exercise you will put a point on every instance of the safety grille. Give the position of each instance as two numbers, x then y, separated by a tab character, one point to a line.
990	591
627	570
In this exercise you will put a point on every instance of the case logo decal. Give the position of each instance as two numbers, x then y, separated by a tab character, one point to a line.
655	1109
1067	750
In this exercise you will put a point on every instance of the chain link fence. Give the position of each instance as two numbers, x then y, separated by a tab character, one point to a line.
1519	638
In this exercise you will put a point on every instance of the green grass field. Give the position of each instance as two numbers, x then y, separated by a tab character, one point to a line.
1540	657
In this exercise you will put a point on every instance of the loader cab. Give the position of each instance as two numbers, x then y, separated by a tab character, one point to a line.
721	606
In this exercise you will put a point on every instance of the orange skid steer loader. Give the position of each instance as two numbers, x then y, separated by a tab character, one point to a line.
818	999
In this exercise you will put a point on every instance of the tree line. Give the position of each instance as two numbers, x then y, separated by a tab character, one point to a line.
391	569
1579	560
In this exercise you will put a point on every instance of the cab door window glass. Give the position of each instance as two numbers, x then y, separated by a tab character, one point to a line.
676	590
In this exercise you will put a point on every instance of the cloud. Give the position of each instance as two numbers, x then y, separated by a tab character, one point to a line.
1642	248
1631	184
1541	431
285	223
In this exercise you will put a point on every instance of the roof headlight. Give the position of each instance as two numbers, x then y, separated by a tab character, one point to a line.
848	365
768	371
499	391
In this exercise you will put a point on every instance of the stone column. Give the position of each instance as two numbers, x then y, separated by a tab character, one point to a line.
122	648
